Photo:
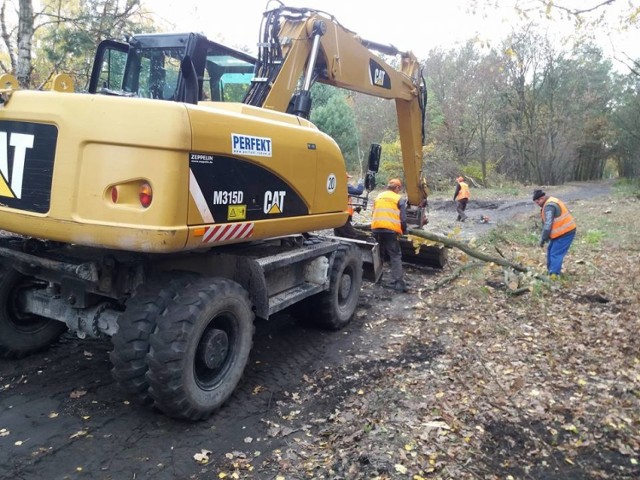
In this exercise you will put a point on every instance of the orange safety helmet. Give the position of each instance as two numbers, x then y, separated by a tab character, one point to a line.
394	182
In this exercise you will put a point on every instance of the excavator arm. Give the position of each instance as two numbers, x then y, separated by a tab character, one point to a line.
299	46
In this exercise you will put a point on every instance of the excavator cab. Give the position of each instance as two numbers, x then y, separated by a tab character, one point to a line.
177	67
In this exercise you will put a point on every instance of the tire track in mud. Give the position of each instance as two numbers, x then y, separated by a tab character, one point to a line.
101	434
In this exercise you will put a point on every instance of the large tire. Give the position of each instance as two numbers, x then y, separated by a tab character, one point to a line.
334	309
22	333
135	326
200	348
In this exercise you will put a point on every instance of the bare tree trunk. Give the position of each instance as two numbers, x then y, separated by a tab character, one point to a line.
25	39
6	38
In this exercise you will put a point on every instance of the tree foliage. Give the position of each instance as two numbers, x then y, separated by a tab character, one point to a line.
333	115
65	34
626	121
537	112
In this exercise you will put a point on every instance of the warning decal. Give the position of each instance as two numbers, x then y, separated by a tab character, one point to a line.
237	212
230	231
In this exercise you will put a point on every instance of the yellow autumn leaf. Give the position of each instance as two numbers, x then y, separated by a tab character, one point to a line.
400	468
202	457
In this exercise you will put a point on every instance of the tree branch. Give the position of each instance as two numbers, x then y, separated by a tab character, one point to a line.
468	250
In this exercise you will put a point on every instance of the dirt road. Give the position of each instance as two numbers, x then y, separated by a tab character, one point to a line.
442	214
63	417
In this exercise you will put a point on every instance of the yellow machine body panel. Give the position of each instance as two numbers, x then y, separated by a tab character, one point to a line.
64	155
259	173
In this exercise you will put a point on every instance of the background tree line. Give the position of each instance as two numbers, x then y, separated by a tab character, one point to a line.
529	110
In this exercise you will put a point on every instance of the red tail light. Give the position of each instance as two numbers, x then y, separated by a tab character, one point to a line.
145	194
114	194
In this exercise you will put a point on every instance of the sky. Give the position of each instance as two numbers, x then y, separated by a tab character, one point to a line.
406	25
416	25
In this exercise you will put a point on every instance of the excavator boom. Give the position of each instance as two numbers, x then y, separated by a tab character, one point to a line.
300	46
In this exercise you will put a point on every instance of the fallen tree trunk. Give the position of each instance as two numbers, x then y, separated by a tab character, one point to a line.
467	249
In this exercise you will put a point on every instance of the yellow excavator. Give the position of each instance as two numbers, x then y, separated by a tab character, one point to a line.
178	197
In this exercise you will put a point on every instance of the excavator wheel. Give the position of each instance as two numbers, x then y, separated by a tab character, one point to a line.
200	348
333	309
22	333
138	321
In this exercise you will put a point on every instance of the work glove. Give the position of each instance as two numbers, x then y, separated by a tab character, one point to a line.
404	227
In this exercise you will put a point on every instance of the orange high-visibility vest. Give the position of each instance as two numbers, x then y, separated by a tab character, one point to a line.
386	213
464	191
561	224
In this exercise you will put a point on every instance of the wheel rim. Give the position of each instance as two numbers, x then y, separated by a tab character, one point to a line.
213	348
344	290
215	352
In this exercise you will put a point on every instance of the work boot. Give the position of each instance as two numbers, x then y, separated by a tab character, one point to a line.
400	286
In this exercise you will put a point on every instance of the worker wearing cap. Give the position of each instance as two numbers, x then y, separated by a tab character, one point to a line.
390	220
461	197
558	228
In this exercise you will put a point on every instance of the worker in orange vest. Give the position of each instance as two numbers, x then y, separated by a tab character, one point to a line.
390	220
461	196
558	228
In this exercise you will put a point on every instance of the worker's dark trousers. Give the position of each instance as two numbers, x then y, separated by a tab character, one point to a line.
461	207
556	251
390	245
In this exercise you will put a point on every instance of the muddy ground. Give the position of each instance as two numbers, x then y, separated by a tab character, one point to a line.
63	417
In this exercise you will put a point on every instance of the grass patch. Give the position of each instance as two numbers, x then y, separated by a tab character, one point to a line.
593	237
628	187
514	233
